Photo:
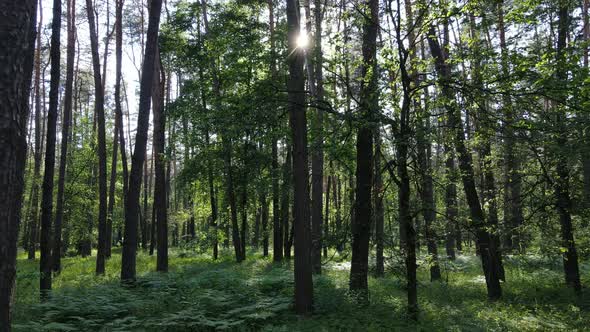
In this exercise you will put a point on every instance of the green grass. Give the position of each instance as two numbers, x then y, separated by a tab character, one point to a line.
199	294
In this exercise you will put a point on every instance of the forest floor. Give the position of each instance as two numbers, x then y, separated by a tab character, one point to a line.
201	294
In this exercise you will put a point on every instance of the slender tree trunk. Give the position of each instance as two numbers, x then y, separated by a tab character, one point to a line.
128	266
427	194
102	154
17	47
326	231
484	239
65	133
38	149
264	221
586	152
562	195
298	124
276	214
285	198
159	137
317	156
47	197
119	137
485	126
378	193
369	103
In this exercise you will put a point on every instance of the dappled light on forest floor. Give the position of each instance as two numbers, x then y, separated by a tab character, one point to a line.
201	294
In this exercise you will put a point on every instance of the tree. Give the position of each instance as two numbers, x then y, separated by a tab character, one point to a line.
132	200
298	124
102	152
485	241
562	195
47	197
368	107
65	133
317	156
160	206
17	45
38	151
276	218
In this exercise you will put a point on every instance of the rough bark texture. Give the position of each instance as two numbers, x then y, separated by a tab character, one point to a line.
298	123
361	224
17	45
132	200
47	197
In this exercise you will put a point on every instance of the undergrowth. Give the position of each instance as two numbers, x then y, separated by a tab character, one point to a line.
199	294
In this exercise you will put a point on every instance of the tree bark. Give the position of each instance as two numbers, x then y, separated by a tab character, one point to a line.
276	218
17	46
128	265
38	148
159	137
369	100
285	198
378	193
317	156
298	124
47	197
65	133
102	154
562	195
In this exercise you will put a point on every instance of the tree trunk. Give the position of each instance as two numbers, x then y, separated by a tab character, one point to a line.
326	230
159	137
369	103
38	149
317	156
276	218
47	197
102	154
132	204
285	199
65	133
378	193
264	221
484	239
562	195
298	124
17	46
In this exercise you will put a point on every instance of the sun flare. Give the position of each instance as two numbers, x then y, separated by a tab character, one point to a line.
302	40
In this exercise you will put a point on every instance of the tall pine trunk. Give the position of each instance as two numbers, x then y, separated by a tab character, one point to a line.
38	149
47	197
17	46
369	100
102	153
128	265
298	124
65	133
160	199
562	195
